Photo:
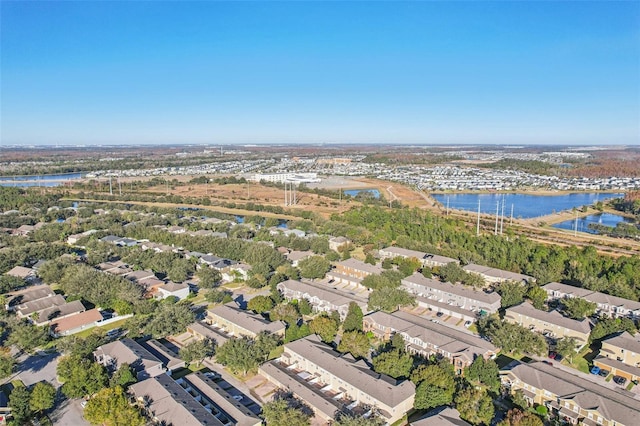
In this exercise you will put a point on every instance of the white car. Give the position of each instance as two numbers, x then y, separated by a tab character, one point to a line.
83	403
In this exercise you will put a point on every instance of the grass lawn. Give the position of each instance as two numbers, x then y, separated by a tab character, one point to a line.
113	325
578	360
473	328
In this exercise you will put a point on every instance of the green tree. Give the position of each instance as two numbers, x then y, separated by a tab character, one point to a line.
517	417
567	347
279	413
218	296
260	304
123	376
27	336
390	299
356	343
395	363
42	397
19	402
208	277
452	272
122	307
485	372
170	319
435	386
511	293
304	307
110	407
353	320
7	363
608	326
285	312
538	296
314	267
242	355
324	327
80	377
350	420
578	308
198	350
295	332
475	406
370	259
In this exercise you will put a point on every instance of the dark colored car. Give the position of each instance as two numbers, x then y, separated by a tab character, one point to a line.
552	355
603	373
439	314
619	380
558	357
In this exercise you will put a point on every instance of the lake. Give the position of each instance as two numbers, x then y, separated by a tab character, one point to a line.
524	205
606	219
41	180
354	192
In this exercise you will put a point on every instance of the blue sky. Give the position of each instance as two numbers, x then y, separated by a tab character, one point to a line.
334	72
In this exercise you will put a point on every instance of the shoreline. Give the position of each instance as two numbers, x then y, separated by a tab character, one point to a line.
534	192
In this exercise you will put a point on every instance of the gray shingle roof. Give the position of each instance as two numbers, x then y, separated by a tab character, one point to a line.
361	266
128	351
497	273
380	387
248	321
457	289
552	317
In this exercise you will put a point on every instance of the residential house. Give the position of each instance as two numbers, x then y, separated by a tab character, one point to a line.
551	323
443	416
237	322
179	290
45	316
26	295
236	271
574	399
426	259
26	274
142	361
216	262
25	310
330	382
620	355
336	243
425	338
495	275
321	297
166	402
446	297
75	323
296	256
606	304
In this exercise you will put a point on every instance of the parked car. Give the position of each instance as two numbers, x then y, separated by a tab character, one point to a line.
603	373
439	314
237	397
468	324
552	355
558	357
619	380
212	375
595	370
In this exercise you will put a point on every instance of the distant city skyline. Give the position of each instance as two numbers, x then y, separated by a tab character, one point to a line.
111	73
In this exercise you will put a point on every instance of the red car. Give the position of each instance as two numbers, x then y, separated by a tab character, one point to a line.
552	355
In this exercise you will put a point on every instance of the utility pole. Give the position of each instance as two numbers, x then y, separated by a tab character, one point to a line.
511	220
110	187
478	224
502	218
495	231
120	186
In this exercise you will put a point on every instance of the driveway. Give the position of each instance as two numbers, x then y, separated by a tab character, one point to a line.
35	368
68	413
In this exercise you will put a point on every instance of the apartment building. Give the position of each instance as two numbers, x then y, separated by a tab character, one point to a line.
551	324
495	275
321	297
620	354
425	338
352	271
427	259
167	402
606	304
574	399
331	382
445	297
239	323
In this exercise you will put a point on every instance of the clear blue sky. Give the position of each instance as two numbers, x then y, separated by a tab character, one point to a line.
337	72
